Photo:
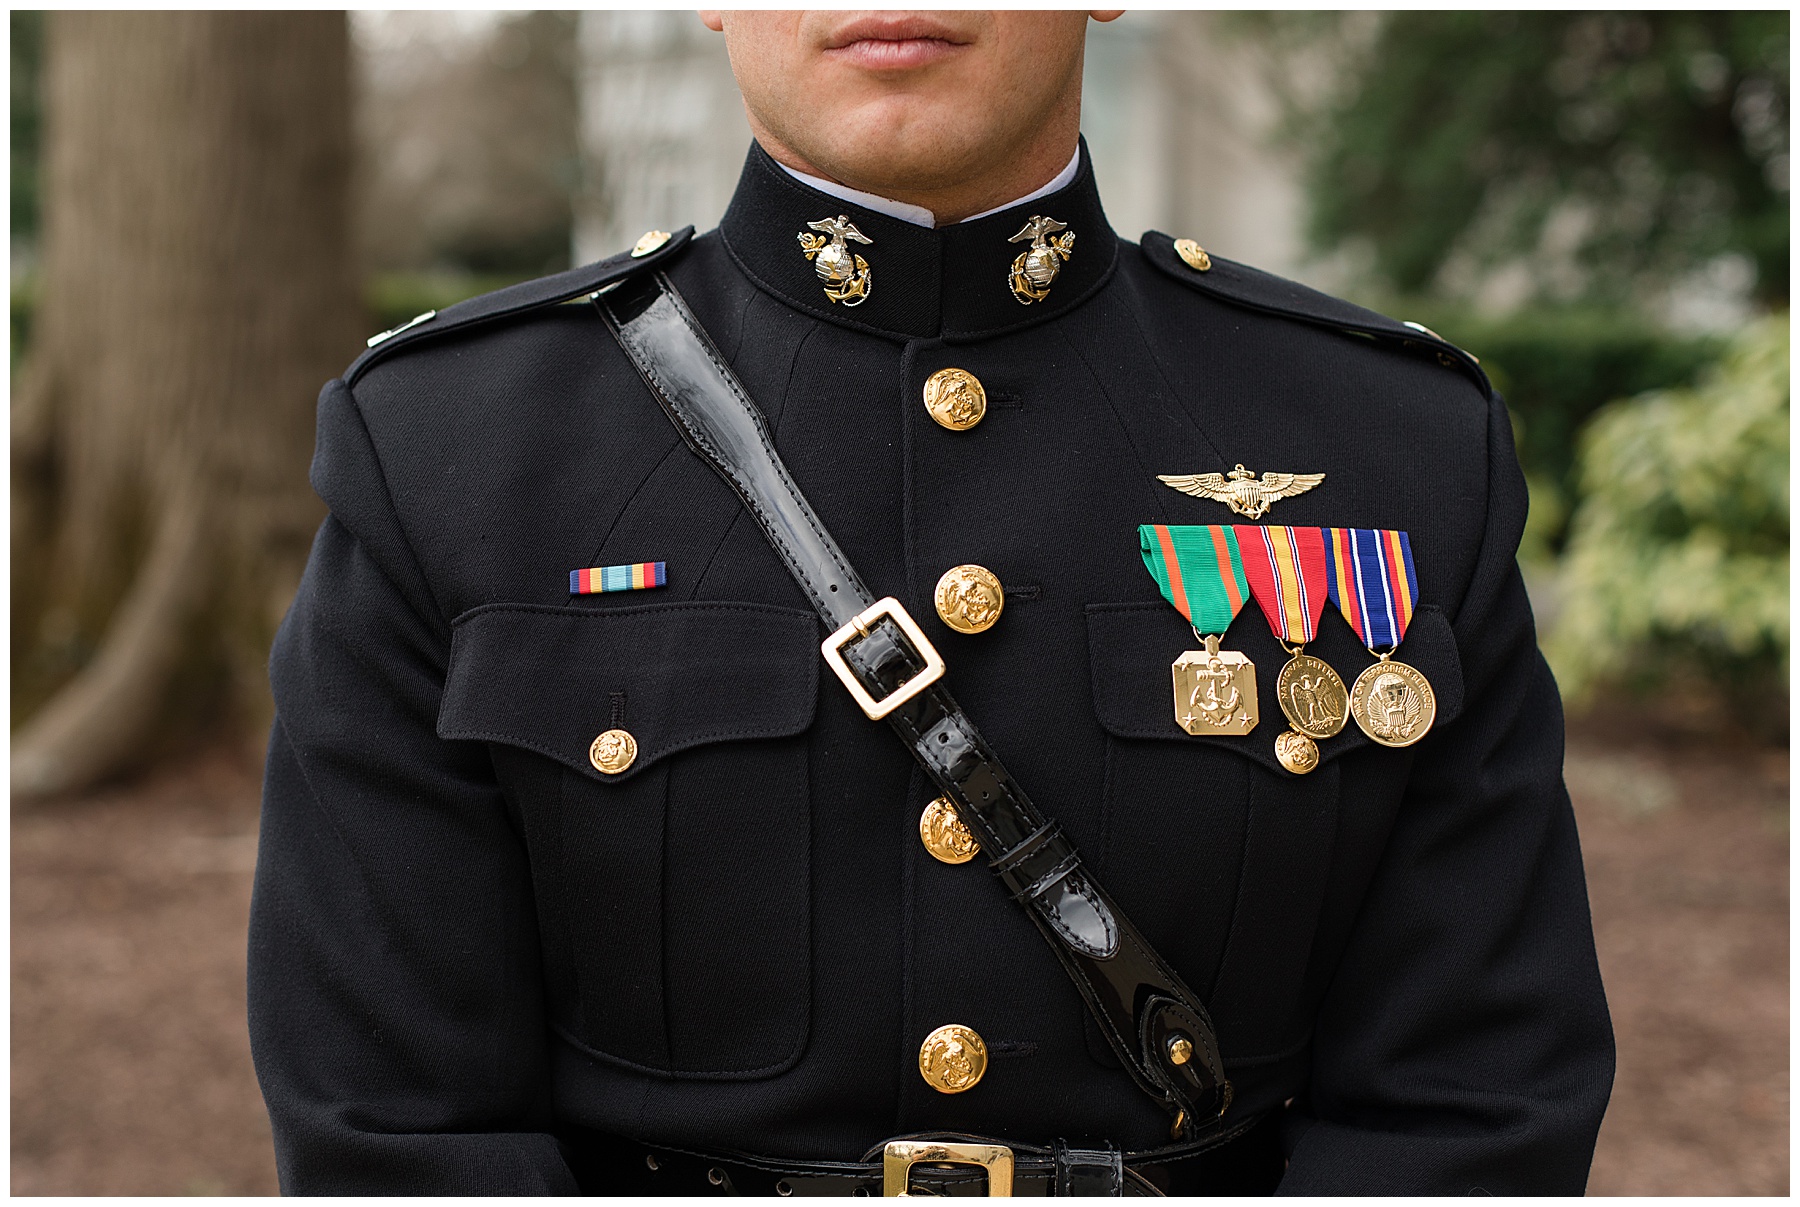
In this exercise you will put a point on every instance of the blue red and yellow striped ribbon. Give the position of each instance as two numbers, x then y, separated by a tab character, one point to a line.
637	576
1373	582
1200	571
1286	569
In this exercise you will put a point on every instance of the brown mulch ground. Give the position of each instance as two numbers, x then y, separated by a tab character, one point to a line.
131	1071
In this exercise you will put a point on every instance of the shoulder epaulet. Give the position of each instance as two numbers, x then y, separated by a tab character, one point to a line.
1253	289
527	295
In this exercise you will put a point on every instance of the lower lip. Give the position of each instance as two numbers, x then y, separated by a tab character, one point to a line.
880	55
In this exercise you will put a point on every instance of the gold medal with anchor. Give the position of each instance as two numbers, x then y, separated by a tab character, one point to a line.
1287	573
1201	573
1371	579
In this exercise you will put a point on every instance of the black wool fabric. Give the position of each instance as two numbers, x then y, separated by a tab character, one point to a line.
469	949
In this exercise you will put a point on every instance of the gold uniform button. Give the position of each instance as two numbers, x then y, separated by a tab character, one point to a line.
613	751
1193	255
648	242
955	399
944	834
969	598
952	1059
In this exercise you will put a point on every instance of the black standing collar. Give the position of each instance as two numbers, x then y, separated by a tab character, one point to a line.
952	282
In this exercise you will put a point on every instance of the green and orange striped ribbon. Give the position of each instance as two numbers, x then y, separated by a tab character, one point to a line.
1200	570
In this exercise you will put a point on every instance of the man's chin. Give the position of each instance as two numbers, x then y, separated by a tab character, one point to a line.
906	149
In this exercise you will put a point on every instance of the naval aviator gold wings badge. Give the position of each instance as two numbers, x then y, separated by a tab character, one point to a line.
1241	491
1200	571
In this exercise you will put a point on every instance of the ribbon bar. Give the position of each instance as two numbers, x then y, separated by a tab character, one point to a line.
637	576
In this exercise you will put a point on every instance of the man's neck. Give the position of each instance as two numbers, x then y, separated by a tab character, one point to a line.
918	215
1020	175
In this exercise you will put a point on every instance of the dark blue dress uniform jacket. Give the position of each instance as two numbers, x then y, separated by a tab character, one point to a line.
467	943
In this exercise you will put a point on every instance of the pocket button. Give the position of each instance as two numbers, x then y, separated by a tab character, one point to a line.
613	752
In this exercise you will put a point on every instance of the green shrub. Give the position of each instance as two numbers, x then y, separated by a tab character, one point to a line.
1677	560
1557	366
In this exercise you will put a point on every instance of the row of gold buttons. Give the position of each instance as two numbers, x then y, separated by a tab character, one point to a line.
969	599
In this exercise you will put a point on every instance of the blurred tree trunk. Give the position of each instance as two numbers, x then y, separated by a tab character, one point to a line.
197	289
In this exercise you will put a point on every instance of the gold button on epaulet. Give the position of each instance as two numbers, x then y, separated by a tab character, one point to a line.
613	751
1193	255
1423	329
952	1059
648	242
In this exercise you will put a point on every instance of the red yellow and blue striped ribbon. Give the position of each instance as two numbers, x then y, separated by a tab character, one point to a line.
637	576
1200	571
1373	582
1286	569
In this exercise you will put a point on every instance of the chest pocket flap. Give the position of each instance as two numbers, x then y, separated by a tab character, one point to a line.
675	676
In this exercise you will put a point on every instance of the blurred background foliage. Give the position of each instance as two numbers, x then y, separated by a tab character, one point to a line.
1677	560
1595	204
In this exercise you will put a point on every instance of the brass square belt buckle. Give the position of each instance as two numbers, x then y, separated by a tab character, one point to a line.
833	649
901	1155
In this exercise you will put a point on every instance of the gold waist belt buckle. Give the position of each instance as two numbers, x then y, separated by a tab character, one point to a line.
901	1155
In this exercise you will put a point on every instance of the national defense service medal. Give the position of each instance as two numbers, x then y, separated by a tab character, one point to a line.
847	277
1036	267
1312	696
1286	568
1316	704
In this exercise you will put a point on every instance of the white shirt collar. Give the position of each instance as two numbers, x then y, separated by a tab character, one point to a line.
918	215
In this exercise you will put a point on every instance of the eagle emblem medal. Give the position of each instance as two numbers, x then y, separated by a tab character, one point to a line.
1287	570
1241	491
1200	572
846	276
1371	578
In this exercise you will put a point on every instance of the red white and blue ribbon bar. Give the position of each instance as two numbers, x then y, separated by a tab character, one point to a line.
637	576
1372	581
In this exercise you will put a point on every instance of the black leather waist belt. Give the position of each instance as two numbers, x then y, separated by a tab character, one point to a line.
923	1165
1245	1161
1154	1023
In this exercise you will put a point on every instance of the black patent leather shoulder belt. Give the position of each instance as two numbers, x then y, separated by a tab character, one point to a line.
1154	1023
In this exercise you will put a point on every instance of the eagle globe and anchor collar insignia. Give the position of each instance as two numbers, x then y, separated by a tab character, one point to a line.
1036	267
847	277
